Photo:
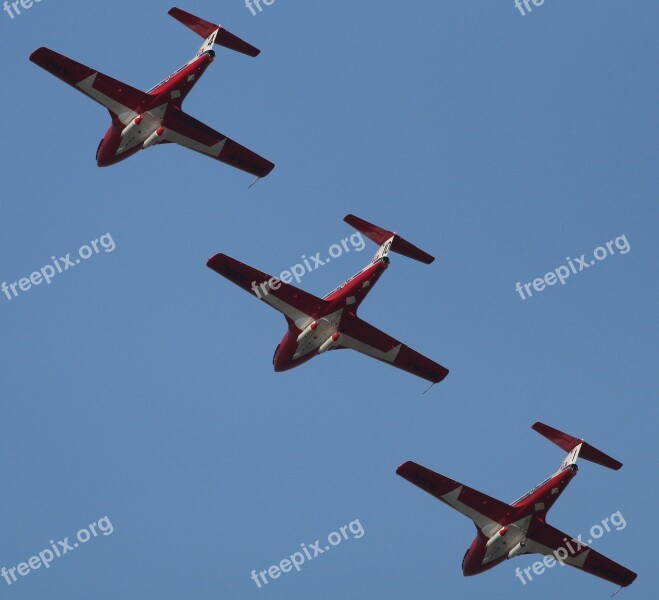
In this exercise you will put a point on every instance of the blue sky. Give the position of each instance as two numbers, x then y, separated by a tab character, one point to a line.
139	385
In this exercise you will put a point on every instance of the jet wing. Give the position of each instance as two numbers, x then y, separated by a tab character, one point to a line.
545	539
365	338
296	304
119	98
482	509
191	133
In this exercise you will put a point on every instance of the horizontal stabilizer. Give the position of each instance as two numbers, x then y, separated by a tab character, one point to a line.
569	443
205	29
380	236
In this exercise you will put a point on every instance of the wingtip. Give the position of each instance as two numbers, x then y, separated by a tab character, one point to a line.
268	169
174	11
214	259
38	51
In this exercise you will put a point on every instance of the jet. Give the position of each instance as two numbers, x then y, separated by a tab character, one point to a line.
143	119
509	530
317	325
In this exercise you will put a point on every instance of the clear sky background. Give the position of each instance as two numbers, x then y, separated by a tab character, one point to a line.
139	384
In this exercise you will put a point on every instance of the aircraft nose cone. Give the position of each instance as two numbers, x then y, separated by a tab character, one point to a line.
280	362
471	562
283	359
466	567
468	570
99	153
274	358
107	151
104	156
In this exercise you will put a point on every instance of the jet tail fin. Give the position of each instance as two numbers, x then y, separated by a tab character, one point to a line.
213	34
388	240
576	447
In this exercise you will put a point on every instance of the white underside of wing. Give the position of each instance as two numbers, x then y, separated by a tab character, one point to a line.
300	318
125	114
174	136
575	561
364	348
485	524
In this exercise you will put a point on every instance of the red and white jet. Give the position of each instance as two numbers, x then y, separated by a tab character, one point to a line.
143	119
508	530
316	325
